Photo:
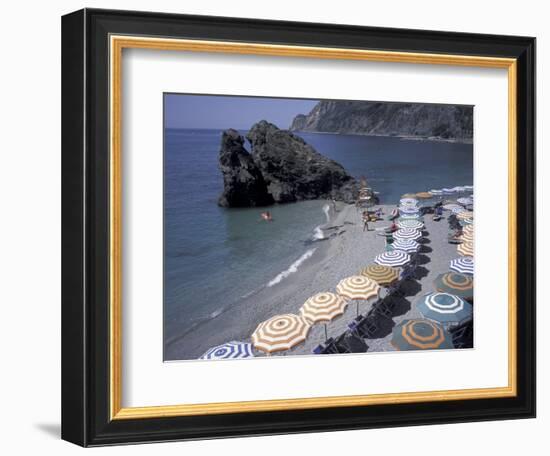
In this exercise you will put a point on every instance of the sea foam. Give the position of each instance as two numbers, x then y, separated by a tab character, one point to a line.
292	269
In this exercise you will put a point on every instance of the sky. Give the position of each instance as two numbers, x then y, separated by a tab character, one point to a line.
222	112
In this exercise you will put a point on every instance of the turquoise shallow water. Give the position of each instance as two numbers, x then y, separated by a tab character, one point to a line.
215	256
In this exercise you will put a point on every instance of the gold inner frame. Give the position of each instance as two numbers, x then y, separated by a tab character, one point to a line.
117	44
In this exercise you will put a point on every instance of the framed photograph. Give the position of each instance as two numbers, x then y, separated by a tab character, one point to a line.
276	227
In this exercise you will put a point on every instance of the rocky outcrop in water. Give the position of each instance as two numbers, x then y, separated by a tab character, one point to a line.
243	183
436	121
281	168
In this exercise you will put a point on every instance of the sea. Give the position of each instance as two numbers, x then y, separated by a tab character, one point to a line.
215	257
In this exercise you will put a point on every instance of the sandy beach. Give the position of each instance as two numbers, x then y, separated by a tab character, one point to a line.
346	249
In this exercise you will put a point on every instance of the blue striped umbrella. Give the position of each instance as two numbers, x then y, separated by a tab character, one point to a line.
444	307
420	335
414	224
464	265
406	245
394	258
404	210
230	350
407	233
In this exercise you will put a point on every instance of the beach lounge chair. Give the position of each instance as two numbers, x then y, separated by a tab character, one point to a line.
463	335
364	326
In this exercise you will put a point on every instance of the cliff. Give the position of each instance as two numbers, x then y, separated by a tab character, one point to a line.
437	121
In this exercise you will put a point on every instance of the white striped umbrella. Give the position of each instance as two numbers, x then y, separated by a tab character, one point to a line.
358	288
458	189
403	210
466	249
469	188
406	245
466	222
408	201
410	216
444	307
323	307
393	258
451	206
465	201
436	192
447	191
464	265
407	233
458	210
279	333
414	224
229	350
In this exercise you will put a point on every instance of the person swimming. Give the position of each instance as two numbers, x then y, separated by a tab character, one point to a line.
267	216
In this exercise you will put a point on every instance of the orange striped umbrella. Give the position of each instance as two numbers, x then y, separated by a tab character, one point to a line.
323	307
454	283
358	288
279	333
466	249
420	335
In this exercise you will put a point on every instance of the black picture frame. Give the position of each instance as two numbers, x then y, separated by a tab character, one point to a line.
85	224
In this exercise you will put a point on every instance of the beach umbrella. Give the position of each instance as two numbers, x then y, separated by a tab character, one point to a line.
466	249
465	215
464	265
403	210
451	206
458	210
279	333
447	191
416	216
454	283
382	275
424	195
468	229
466	222
436	192
469	188
458	189
406	245
393	258
420	335
358	288
467	236
229	350
323	307
414	224
444	307
407	233
465	201
408	201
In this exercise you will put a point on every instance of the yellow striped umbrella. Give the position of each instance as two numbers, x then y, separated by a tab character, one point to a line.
466	249
279	333
358	288
382	275
424	195
467	236
465	215
468	229
323	307
420	335
461	285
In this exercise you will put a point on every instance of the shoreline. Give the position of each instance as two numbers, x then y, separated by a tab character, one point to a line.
402	137
344	252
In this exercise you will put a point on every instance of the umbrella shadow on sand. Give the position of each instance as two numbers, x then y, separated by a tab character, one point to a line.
425	249
421	272
409	288
424	241
384	326
422	259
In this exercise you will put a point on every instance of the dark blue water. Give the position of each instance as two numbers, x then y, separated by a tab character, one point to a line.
215	256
